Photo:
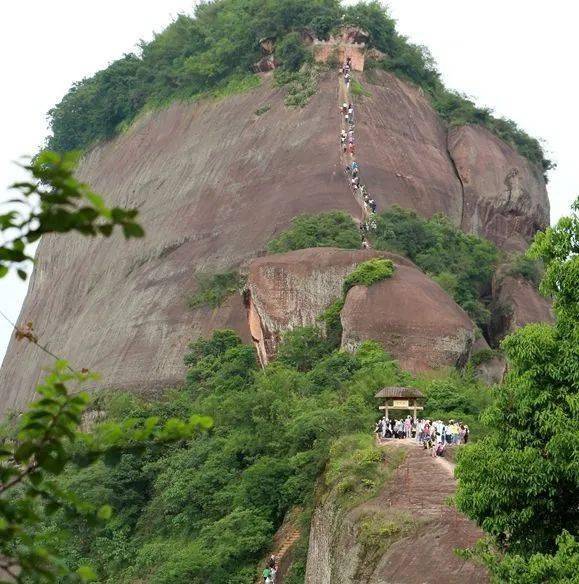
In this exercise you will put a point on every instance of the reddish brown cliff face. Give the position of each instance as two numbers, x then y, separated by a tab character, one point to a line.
214	182
409	314
505	199
517	303
402	150
412	317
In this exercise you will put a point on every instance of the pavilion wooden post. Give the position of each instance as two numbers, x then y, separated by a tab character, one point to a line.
400	398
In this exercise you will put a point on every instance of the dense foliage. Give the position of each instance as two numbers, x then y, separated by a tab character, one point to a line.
215	49
462	264
368	273
521	483
205	510
214	289
333	229
35	447
456	396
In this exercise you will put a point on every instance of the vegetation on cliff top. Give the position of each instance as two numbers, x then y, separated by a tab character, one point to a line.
462	264
199	54
333	229
368	273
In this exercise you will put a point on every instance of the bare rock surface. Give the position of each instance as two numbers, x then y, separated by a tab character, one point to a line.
517	303
293	289
423	553
214	182
412	317
402	149
505	198
409	314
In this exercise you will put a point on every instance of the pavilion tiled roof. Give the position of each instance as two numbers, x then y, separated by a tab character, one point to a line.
399	392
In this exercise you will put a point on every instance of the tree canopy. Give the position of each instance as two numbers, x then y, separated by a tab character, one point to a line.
521	482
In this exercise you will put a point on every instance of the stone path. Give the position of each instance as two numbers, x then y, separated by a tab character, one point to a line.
346	157
421	488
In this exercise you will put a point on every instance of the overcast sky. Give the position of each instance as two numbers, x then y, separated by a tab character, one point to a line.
518	57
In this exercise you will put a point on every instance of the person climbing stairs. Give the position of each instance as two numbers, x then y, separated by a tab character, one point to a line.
348	156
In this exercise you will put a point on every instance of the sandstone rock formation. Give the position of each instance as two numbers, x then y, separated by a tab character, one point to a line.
214	183
412	317
505	199
409	314
517	303
402	149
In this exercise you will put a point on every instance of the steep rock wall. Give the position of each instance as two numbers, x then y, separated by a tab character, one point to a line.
403	151
505	198
409	314
214	182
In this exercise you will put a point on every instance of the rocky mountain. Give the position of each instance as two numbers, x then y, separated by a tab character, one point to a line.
215	180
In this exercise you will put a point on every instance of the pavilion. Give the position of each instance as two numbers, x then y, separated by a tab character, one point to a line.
400	398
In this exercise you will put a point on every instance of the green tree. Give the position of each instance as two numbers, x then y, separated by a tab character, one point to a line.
291	51
333	229
53	201
35	454
521	482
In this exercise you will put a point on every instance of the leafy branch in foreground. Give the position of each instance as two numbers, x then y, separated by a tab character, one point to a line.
31	462
54	201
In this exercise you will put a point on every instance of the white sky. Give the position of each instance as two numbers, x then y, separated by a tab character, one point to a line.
518	57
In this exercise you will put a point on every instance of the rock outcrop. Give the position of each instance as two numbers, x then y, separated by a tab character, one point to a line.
409	314
418	532
517	302
214	182
412	317
505	198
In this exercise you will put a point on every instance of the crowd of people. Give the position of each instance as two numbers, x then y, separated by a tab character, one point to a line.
433	435
270	571
348	145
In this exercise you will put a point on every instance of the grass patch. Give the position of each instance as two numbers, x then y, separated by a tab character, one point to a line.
301	85
358	90
368	273
263	109
357	468
376	533
214	289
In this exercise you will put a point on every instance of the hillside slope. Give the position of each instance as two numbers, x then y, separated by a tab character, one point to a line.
214	182
407	534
